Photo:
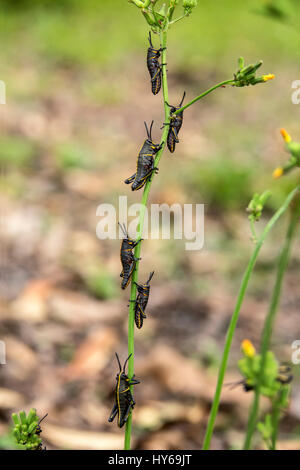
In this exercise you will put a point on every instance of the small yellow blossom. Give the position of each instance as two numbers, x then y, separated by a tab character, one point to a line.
270	76
285	135
248	348
278	172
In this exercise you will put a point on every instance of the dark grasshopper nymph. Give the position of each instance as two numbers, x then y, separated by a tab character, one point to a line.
141	301
154	67
38	431
38	428
128	259
247	387
124	399
145	162
175	125
284	376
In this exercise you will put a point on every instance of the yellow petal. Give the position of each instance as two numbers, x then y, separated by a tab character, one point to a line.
248	348
278	172
270	76
285	135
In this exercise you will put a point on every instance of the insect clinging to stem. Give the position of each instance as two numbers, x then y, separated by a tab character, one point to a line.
124	399
246	385
284	377
141	301
145	162
128	259
284	374
174	125
154	67
38	428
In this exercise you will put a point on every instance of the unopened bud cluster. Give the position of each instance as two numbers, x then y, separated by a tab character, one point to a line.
188	5
162	19
24	430
246	75
257	204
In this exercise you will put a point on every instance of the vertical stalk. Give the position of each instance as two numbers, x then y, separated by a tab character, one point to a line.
235	316
252	421
275	422
270	319
140	228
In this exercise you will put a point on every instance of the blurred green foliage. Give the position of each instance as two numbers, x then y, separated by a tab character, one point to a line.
16	151
224	183
101	283
71	155
83	32
8	442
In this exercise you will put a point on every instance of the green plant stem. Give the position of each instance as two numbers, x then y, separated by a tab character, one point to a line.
226	82
270	319
163	40
178	19
275	423
252	225
251	421
140	228
235	316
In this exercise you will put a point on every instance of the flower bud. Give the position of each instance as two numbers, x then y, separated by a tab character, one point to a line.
248	348
138	3
278	172
148	18
267	77
294	149
256	205
188	5
246	76
241	62
250	69
285	135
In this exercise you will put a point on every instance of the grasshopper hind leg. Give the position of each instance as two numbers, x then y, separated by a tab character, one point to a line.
113	413
125	417
130	179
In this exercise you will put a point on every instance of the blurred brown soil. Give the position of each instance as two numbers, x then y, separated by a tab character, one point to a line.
61	337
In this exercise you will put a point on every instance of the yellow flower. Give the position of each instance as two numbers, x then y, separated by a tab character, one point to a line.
278	172
248	348
270	76
285	135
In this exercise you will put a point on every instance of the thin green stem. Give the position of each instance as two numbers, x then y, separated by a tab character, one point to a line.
140	228
270	319
226	82
275	423
235	316
178	19
252	421
252	225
